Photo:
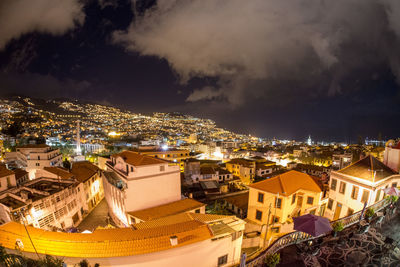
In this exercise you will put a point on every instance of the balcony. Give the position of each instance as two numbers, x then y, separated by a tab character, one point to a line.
335	251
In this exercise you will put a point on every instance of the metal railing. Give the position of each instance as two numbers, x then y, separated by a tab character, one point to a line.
298	237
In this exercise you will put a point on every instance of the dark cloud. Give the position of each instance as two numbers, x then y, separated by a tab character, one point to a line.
302	47
18	17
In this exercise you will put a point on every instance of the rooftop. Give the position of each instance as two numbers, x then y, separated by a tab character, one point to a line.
83	170
165	210
105	242
4	171
241	201
368	168
136	159
60	172
288	183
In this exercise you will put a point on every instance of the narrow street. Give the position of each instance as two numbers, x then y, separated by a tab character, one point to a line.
98	217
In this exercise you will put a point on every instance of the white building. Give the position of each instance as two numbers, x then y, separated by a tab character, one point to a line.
391	156
43	203
361	182
34	157
138	182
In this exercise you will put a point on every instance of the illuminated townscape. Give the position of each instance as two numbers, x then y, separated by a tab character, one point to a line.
199	133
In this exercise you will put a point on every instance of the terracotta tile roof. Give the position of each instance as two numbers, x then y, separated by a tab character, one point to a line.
368	168
137	159
241	201
206	218
83	170
165	210
242	162
19	173
60	172
180	218
4	171
104	242
287	183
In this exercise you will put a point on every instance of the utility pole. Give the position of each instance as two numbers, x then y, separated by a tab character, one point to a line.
26	229
266	231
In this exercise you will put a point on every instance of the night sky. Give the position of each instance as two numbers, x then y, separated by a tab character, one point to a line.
270	68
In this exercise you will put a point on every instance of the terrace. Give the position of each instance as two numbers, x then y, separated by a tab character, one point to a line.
361	243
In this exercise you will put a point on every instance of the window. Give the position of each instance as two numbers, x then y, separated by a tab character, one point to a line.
37	164
342	187
330	204
313	211
378	195
349	212
222	260
258	215
260	197
162	168
365	196
197	211
275	230
293	198
278	203
394	185
131	169
274	219
354	192
310	200
333	184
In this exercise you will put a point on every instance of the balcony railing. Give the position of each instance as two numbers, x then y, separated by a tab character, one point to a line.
298	237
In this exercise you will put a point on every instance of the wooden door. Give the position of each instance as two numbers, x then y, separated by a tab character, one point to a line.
337	211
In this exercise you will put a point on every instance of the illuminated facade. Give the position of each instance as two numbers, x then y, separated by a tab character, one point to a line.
90	183
282	197
43	203
242	168
174	156
34	157
135	182
392	155
360	182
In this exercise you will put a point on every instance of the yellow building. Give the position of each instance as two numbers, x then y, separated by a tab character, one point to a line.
276	200
175	156
242	168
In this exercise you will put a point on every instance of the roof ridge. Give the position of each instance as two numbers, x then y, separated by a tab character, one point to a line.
281	183
372	167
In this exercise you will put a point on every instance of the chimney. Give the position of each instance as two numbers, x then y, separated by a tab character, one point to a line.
174	240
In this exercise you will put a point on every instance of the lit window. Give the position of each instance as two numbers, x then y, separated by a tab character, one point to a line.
342	187
365	196
333	184
278	203
354	192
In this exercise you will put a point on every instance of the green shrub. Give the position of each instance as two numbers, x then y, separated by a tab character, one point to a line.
272	259
370	212
338	226
394	199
